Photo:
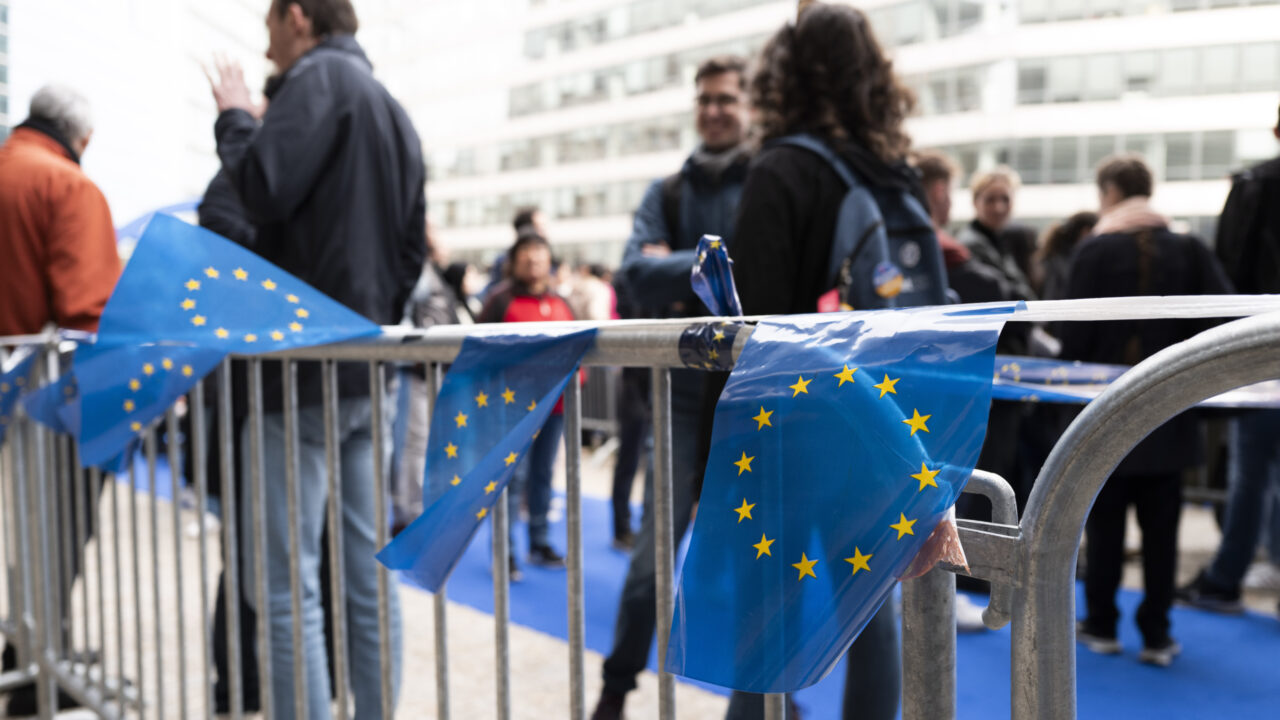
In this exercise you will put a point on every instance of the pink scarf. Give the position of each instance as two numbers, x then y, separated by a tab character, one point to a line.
1130	216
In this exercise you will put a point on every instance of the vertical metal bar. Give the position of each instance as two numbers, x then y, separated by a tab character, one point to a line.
440	601
230	547
289	372
929	646
137	589
257	501
149	443
118	562
664	534
775	706
333	464
41	480
501	606
175	466
81	551
25	609
199	455
377	392
573	501
95	491
64	580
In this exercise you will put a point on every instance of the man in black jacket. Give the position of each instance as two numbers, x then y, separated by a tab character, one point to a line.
332	179
1134	253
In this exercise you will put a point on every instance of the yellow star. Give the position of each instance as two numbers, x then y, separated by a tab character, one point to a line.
291	298
240	274
302	313
762	547
211	272
903	526
845	375
532	404
715	244
805	566
188	304
451	450
482	400
926	476
461	420
167	364
744	465
493	485
295	327
198	321
859	561
148	369
509	396
277	335
510	459
763	418
193	284
250	338
136	427
188	371
134	385
917	421
128	406
268	284
456	480
483	511
744	512
713	354
719	335
887	386
801	386
221	333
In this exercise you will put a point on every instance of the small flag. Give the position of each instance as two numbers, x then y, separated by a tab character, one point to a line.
494	399
712	278
15	381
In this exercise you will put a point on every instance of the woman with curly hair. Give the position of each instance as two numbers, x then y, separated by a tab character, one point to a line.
824	76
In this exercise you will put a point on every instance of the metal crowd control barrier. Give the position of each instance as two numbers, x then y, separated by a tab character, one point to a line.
74	570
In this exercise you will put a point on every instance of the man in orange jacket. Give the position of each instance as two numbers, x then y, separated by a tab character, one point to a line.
59	267
56	237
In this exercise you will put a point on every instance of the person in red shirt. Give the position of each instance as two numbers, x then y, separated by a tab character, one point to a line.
526	296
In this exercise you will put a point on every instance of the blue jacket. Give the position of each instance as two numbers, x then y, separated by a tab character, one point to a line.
708	206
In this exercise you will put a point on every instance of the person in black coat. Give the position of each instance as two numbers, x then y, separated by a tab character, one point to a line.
1133	253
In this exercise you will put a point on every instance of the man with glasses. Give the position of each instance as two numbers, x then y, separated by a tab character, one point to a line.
701	199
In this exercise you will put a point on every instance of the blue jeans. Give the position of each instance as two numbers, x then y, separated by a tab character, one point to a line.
533	476
1253	471
359	538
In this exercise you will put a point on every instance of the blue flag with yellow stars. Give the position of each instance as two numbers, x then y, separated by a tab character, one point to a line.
840	441
712	278
494	400
187	298
15	380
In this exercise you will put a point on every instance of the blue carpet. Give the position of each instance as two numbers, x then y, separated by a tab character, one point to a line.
1230	666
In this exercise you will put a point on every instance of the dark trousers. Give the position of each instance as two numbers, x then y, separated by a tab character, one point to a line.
634	421
1158	500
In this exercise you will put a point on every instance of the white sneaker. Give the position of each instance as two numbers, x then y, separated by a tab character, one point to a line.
1262	575
968	614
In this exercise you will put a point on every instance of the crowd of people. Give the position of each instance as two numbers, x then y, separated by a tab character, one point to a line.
326	179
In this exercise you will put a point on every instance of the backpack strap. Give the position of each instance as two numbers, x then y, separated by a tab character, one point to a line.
671	189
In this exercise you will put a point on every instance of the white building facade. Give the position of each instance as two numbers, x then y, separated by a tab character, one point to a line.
597	102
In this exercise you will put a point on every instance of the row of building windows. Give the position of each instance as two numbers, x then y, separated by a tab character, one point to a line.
619	81
1180	71
1040	11
1207	155
919	21
580	201
623	21
637	137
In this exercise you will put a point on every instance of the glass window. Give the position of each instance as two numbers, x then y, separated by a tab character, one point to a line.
4	43
1179	156
969	90
1260	67
908	24
1066	80
938	18
1102	79
1096	149
1106	8
969	13
1064	157
1140	71
4	14
4	74
1032	82
1217	154
1184	5
1178	71
1033	11
1028	160
940	87
1068	9
1149	147
1220	68
1254	145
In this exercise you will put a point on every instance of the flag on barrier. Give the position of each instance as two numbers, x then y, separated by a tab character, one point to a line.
15	380
839	444
495	398
187	298
712	278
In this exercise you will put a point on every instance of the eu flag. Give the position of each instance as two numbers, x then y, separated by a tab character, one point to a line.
840	441
187	298
494	400
15	379
712	278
